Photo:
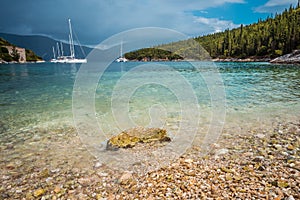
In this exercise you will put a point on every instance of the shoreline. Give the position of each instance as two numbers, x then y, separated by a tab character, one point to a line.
291	58
29	62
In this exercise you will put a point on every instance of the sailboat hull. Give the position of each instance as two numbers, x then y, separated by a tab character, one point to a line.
69	60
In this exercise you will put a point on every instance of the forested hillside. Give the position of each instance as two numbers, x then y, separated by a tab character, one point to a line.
268	38
272	37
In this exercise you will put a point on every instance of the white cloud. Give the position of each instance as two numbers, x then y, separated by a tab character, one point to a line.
273	6
215	24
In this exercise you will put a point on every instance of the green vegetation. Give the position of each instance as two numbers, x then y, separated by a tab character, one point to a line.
4	42
270	38
152	54
31	56
4	55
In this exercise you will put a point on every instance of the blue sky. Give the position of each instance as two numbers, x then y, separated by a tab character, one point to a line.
96	20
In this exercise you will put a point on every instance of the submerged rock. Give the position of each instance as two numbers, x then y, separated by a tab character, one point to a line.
131	137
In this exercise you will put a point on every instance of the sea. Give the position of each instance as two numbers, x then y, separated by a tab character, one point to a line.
186	98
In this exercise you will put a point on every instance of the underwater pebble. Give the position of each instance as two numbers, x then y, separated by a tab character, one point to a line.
39	192
98	164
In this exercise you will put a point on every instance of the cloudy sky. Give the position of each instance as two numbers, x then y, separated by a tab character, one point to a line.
95	20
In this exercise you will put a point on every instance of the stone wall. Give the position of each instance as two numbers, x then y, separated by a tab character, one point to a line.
21	52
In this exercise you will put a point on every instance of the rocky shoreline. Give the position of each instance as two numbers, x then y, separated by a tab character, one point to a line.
257	163
292	58
27	62
252	59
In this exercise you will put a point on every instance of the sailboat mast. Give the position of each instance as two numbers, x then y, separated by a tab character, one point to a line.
121	49
70	46
58	51
61	48
71	40
54	56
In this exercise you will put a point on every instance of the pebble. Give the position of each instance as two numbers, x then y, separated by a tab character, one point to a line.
220	152
278	146
102	174
83	181
127	176
188	160
290	198
258	159
290	147
55	170
260	136
39	192
98	164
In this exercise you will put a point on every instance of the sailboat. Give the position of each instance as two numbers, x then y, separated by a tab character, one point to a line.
67	59
121	58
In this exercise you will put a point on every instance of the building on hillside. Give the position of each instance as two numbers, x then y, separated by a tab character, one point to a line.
20	51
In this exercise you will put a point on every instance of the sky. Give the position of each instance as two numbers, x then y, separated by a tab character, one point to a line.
96	20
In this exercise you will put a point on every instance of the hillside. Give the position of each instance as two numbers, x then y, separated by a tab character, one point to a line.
12	53
265	39
41	45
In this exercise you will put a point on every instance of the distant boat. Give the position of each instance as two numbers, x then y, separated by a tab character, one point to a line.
60	53
121	58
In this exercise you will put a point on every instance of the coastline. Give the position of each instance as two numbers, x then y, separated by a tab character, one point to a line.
291	58
250	59
15	62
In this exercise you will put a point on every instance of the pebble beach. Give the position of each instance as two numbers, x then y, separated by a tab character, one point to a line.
252	163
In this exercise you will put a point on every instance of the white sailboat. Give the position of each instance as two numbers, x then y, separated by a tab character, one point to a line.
67	59
121	58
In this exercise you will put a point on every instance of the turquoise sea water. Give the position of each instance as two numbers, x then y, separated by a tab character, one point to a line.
35	95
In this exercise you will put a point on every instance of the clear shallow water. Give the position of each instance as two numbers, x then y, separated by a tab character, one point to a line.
40	94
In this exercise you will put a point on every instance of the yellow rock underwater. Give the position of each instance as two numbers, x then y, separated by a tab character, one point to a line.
129	138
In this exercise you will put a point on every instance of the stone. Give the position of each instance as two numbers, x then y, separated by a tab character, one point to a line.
258	159
84	181
188	160
125	178
221	152
282	184
45	173
290	147
57	189
39	192
98	164
131	137
260	135
102	174
290	198
278	146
